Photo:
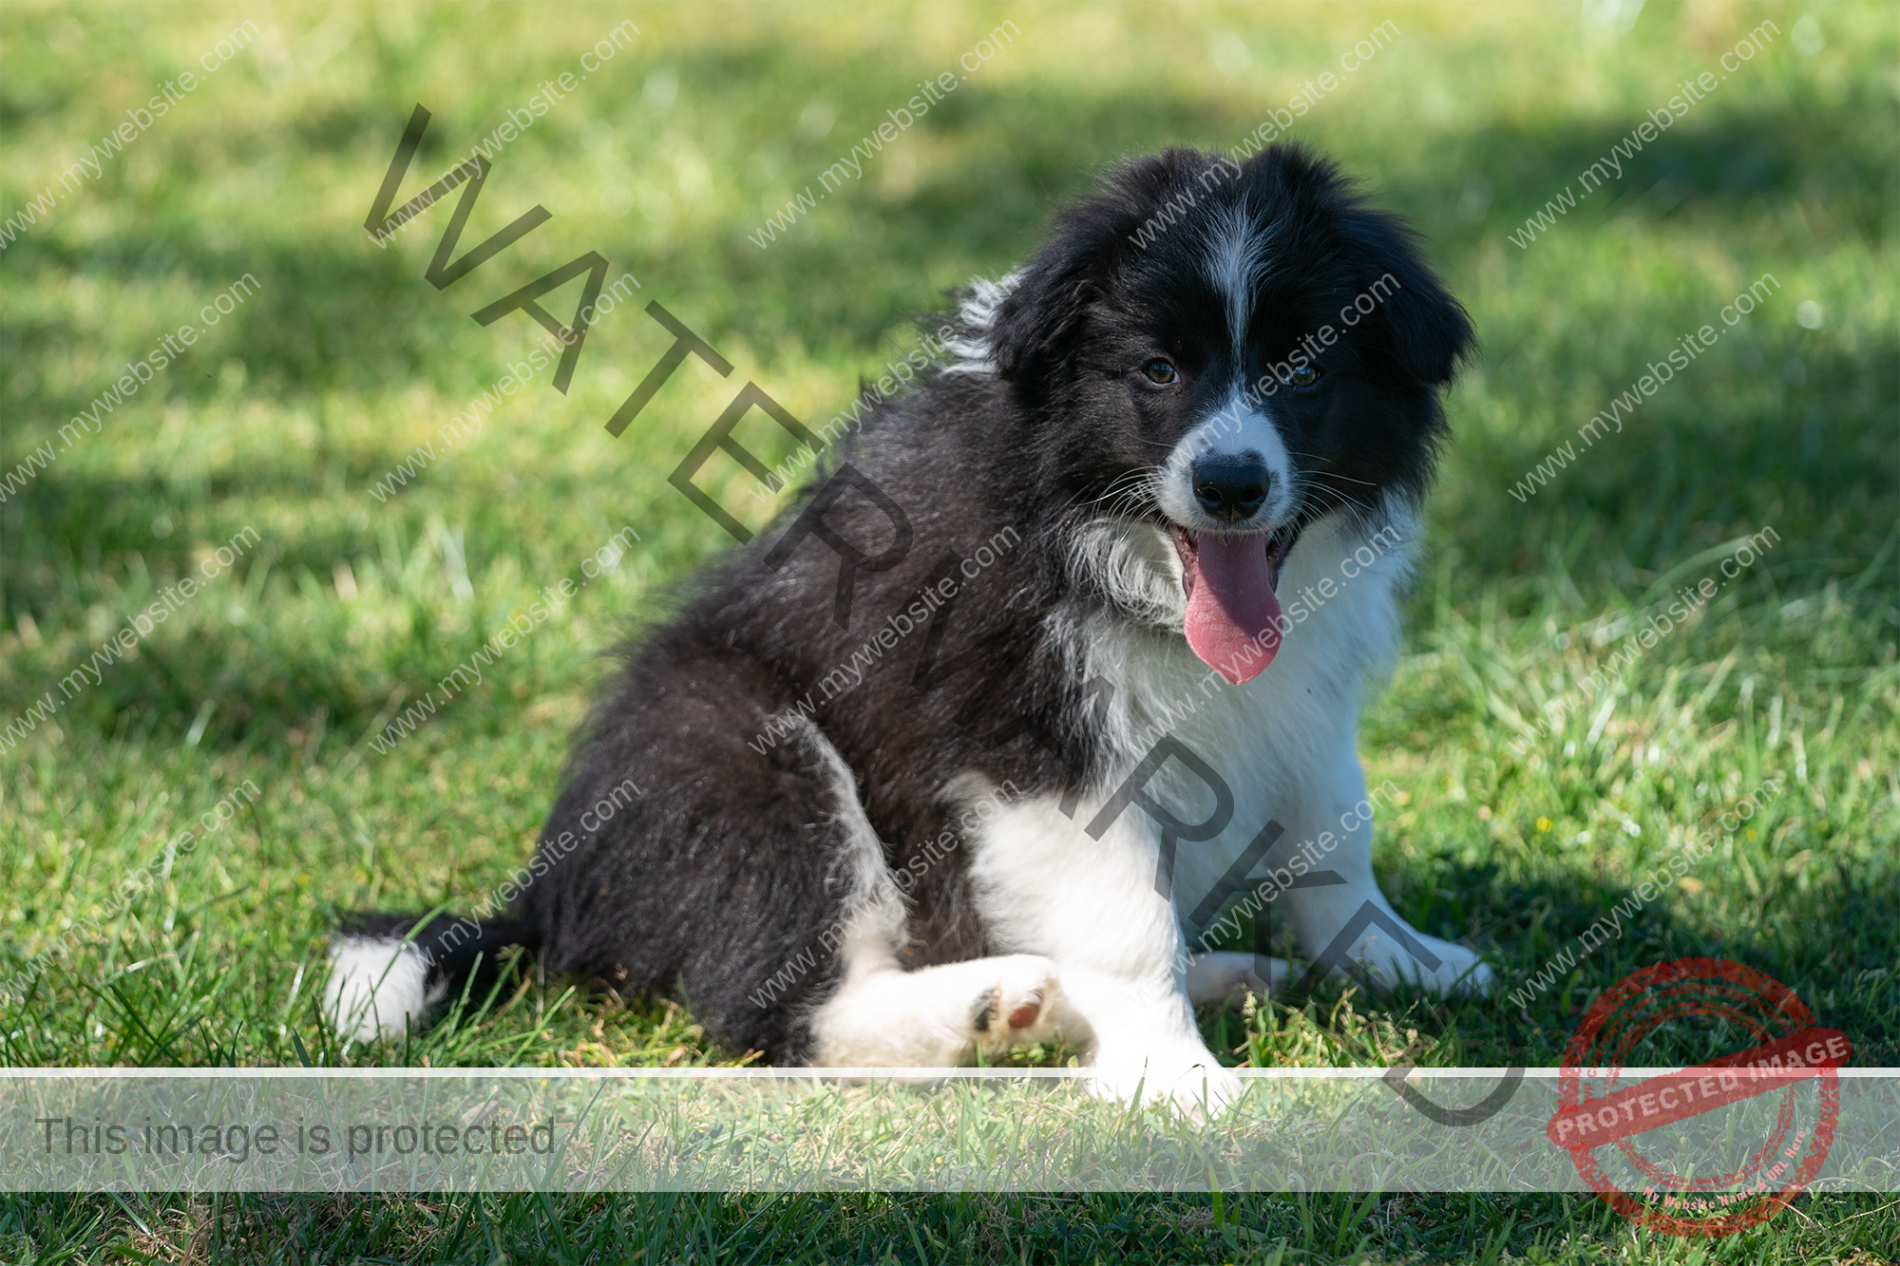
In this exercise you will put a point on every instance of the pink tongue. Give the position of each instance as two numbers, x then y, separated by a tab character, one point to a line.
1233	617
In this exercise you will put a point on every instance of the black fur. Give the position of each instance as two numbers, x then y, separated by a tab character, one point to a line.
722	872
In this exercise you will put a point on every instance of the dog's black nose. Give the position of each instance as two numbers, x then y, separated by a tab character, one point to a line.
1230	488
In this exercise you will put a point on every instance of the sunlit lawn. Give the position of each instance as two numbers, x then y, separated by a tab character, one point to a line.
348	608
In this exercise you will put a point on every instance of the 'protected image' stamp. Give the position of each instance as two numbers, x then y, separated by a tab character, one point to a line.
1707	1167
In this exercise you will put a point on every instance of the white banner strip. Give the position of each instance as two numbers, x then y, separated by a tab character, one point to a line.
1311	1129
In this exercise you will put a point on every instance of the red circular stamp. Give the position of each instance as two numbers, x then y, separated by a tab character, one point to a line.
1601	1105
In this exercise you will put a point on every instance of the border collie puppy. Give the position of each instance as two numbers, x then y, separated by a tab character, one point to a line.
942	762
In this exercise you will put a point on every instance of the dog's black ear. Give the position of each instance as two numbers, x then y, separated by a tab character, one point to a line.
1431	332
1038	326
1036	330
1427	332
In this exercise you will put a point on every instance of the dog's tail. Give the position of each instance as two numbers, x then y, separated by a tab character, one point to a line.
388	970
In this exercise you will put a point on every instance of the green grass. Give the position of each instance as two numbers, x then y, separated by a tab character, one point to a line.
347	609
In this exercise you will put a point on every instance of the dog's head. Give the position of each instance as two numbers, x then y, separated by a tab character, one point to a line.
1226	354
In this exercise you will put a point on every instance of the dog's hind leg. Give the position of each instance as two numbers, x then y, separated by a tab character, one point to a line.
881	1016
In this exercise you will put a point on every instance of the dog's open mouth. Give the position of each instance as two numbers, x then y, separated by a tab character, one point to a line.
1233	614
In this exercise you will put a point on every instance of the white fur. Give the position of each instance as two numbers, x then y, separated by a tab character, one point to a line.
379	987
1236	264
1305	700
1229	976
1089	906
1134	566
1240	428
1283	743
881	1016
971	347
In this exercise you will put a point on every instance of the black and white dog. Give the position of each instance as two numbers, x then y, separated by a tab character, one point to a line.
942	762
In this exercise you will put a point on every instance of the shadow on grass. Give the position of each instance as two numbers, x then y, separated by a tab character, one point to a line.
1847	977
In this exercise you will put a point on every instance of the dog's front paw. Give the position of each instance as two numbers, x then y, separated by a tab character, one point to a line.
1227	976
1191	1082
1459	970
1019	1009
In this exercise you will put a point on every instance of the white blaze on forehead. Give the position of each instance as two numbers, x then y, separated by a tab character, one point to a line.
1236	263
1240	428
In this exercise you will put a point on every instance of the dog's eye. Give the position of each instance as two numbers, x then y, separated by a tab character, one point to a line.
1304	376
1160	372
